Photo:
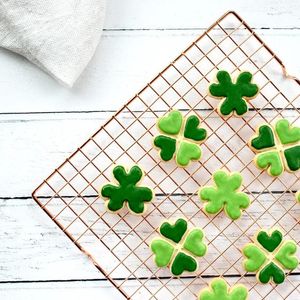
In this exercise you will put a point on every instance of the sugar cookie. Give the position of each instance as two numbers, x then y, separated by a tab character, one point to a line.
269	256
219	290
180	138
277	147
178	247
233	96
225	194
126	191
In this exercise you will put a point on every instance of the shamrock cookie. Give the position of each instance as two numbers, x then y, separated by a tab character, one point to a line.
269	256
178	247
225	194
126	191
234	96
219	290
180	139
277	148
298	196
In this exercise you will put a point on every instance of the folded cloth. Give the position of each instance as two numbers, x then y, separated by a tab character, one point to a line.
60	36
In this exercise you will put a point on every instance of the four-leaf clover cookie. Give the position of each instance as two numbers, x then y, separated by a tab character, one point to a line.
269	256
126	191
277	148
219	290
225	194
178	247
180	139
234	96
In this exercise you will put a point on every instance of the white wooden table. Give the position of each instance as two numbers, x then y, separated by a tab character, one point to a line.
41	123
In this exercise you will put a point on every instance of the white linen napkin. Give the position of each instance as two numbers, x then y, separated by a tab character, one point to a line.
60	36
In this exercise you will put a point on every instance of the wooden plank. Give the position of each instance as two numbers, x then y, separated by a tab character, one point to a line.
34	248
73	277
78	290
27	165
123	64
94	290
194	13
27	139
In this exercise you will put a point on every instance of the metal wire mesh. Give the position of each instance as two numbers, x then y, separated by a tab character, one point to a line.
118	244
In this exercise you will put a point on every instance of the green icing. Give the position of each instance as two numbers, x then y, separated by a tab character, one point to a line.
286	133
269	266
225	194
285	155
292	156
270	271
219	290
183	262
234	93
174	232
185	146
265	138
127	190
167	146
192	131
180	254
286	255
298	196
187	151
193	242
163	252
270	160
171	123
270	242
255	258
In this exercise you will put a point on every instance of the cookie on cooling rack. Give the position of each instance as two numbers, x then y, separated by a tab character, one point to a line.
298	196
180	138
269	256
126	190
178	247
233	95
277	147
219	289
225	194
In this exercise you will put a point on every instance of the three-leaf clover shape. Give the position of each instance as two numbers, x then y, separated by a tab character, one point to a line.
126	191
178	247
225	194
269	256
180	139
219	290
277	148
234	95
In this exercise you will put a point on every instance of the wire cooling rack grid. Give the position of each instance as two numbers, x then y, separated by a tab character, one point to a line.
118	244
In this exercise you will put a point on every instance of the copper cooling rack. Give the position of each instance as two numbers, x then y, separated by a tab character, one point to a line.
118	244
